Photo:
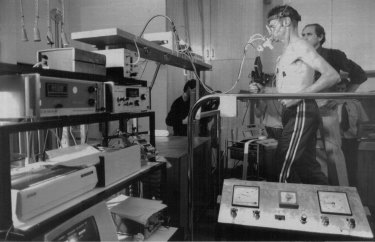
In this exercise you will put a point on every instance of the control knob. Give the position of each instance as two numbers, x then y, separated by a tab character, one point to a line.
351	222
256	214
325	220
91	89
91	102
233	212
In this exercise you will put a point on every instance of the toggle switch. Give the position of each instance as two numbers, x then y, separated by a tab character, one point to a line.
351	222
325	220
256	214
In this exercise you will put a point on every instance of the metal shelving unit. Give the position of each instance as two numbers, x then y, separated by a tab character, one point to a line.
116	38
38	226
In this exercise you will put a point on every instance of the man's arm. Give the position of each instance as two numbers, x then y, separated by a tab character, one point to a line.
356	74
260	108
172	117
328	77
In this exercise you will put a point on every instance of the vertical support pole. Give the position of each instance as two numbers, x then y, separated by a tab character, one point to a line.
220	166
82	129
5	183
252	108
152	128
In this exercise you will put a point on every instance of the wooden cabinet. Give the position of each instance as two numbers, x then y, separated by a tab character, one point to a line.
174	149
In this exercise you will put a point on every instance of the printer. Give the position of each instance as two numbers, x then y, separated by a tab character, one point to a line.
42	186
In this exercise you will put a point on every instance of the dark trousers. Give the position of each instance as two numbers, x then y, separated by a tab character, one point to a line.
350	149
296	148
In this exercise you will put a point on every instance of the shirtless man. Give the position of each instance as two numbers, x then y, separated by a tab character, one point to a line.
295	74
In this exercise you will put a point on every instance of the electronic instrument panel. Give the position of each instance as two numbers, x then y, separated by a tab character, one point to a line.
294	207
124	98
33	95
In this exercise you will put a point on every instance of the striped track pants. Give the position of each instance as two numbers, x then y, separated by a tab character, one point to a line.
296	149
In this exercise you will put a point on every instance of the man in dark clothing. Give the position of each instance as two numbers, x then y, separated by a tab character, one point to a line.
178	115
315	35
333	160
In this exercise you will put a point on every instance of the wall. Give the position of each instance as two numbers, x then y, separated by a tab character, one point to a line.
348	25
8	31
12	48
131	16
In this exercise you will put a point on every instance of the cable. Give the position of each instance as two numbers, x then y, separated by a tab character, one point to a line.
57	138
247	108
186	51
8	233
143	30
190	57
71	133
87	133
252	39
45	144
138	53
158	15
144	68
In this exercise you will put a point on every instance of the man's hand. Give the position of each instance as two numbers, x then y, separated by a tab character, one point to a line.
332	104
185	120
289	102
255	87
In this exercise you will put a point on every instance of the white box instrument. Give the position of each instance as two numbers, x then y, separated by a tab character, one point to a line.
42	195
116	164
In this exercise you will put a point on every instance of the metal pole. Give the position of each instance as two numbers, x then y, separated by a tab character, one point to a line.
5	185
194	110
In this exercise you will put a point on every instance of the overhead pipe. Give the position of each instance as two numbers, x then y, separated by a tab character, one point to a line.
23	30
36	29
50	40
64	39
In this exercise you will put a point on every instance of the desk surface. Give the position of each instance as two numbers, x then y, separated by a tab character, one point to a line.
176	146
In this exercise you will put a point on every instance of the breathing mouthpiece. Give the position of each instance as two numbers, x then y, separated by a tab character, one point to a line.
268	43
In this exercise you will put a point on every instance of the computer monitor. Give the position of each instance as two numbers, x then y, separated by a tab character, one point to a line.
93	224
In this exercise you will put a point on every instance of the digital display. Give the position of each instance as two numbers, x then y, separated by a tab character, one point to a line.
85	230
132	92
56	90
